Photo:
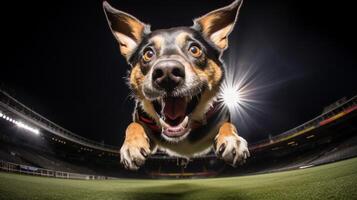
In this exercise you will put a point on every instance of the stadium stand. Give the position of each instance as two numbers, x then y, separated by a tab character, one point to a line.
329	137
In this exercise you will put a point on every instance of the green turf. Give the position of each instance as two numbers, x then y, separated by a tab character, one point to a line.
332	181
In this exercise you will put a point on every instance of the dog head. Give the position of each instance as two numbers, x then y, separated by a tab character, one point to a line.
175	73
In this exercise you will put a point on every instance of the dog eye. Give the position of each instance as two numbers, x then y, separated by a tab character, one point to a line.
148	55
195	51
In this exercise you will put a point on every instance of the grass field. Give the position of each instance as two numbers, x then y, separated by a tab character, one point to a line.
332	181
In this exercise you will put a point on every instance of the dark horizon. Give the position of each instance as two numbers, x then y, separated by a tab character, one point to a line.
63	62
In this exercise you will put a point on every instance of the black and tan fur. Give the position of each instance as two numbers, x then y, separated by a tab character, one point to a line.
196	71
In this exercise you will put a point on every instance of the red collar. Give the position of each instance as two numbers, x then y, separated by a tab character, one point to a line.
143	118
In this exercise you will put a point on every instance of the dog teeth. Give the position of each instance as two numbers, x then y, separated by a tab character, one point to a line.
184	122
162	102
164	124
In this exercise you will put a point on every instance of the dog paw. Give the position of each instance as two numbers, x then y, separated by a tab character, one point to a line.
232	149
136	147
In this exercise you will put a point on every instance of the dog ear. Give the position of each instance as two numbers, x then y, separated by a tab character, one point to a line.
218	24
128	30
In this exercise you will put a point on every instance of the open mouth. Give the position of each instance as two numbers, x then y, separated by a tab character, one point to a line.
175	113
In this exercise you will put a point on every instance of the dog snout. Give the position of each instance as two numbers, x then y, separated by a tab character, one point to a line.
168	75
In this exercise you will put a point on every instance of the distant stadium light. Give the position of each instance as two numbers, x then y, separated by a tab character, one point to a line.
20	124
24	126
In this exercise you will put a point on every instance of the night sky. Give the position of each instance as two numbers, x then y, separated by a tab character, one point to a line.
60	59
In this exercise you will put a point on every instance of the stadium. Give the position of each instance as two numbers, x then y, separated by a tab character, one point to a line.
288	82
38	153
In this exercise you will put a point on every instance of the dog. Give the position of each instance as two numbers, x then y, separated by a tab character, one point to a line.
175	77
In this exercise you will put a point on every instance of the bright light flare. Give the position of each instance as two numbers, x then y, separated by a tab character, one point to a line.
231	97
242	90
239	96
252	74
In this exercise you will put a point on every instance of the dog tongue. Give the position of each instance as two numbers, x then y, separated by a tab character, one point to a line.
175	107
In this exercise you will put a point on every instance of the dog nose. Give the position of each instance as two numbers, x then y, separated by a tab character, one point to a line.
168	74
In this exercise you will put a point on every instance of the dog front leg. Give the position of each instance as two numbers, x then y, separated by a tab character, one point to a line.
136	147
232	148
